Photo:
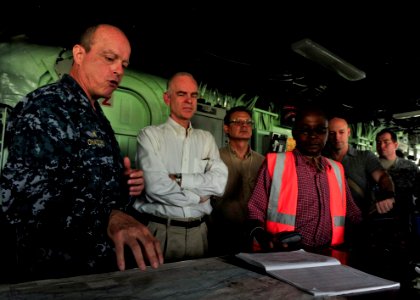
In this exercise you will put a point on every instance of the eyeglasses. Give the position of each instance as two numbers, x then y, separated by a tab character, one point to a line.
242	122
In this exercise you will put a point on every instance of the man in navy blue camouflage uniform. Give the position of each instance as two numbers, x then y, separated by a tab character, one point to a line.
65	186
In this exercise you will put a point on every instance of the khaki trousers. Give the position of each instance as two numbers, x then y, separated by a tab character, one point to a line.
179	243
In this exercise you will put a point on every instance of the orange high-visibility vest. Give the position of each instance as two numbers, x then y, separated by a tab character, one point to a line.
281	212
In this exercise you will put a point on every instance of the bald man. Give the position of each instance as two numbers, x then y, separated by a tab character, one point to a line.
362	168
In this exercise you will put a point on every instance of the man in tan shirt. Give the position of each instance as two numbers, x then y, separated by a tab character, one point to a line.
226	226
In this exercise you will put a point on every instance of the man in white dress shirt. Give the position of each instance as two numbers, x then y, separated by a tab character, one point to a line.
182	169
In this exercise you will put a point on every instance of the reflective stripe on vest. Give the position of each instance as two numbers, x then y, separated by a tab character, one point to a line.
281	211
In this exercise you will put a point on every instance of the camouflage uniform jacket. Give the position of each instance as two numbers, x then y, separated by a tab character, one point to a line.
62	178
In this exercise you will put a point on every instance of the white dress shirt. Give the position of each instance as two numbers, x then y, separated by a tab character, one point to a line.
167	149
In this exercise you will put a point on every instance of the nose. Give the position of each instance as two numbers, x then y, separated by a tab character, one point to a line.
118	69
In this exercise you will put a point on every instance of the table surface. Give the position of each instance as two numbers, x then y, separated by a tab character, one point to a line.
208	278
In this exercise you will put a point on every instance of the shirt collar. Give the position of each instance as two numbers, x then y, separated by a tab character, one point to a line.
248	153
72	84
351	151
302	160
179	129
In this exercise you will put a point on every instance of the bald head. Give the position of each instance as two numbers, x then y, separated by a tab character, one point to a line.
338	134
100	60
91	35
338	122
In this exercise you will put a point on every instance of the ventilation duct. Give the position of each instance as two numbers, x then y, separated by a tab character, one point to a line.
315	52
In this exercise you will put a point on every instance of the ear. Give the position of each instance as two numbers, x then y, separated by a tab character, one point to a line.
167	98
78	52
226	128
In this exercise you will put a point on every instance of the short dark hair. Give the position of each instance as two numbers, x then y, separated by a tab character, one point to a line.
308	109
87	36
387	130
229	113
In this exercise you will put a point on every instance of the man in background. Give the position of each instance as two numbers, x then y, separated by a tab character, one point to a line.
372	189
182	170
302	192
362	168
406	177
227	220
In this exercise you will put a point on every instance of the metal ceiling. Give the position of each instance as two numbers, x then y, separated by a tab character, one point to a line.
246	49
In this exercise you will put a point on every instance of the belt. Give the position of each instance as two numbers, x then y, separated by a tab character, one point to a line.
172	222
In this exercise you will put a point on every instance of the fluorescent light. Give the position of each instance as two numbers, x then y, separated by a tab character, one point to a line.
406	115
315	52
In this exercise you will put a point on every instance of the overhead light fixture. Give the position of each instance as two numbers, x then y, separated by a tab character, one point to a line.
407	115
315	52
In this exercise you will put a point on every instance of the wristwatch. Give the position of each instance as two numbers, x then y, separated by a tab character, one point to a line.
178	178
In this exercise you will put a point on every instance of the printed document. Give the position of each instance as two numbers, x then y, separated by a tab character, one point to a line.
317	274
